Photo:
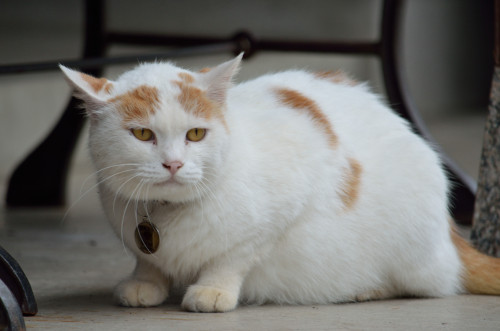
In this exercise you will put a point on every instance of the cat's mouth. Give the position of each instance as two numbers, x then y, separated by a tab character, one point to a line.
170	181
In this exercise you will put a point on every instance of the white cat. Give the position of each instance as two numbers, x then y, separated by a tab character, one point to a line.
294	188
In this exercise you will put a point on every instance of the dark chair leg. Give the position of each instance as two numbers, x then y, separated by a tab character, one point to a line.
463	186
40	180
14	278
16	296
11	318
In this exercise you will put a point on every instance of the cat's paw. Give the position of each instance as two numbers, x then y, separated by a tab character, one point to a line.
137	293
208	299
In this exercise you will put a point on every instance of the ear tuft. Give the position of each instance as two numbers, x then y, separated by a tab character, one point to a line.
87	88
219	79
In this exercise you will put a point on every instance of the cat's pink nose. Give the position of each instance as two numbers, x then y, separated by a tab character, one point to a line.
173	166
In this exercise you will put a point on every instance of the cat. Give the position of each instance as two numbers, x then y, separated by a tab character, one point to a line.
292	188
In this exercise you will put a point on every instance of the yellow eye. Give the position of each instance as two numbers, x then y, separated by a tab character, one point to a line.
143	134
196	134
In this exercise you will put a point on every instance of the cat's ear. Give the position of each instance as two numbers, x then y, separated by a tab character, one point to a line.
219	79
93	91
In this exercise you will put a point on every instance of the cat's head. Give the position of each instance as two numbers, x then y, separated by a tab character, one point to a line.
157	132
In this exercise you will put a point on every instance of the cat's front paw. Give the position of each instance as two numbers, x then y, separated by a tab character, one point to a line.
138	293
208	299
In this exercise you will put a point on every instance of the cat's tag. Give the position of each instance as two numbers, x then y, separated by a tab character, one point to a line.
147	237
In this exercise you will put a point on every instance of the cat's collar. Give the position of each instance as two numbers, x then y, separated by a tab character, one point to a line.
146	234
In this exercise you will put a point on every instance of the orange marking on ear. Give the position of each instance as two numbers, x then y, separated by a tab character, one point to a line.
296	100
350	190
108	88
138	104
95	83
204	70
187	78
336	77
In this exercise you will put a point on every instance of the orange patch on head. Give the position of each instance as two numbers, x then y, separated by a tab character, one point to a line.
187	78
350	189
108	88
138	104
195	101
337	77
298	101
95	83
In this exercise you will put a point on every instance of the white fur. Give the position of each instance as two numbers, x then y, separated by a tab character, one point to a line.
257	216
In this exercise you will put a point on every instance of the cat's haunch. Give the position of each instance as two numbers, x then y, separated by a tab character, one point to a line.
293	188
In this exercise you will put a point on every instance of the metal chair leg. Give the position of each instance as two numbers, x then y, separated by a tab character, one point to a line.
40	180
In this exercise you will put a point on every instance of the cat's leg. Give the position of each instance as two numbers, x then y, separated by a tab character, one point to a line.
217	290
147	287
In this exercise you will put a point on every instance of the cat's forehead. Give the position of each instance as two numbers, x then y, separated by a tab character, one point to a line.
158	74
160	89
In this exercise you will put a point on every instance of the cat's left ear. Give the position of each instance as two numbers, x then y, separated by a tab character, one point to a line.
219	79
93	91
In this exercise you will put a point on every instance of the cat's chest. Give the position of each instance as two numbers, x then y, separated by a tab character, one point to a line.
177	239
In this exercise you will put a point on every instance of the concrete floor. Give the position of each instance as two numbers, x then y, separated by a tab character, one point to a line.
73	265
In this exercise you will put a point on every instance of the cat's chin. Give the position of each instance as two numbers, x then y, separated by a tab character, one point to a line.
172	191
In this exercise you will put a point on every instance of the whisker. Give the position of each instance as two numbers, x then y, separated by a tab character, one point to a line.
105	168
119	189
143	182
87	192
125	212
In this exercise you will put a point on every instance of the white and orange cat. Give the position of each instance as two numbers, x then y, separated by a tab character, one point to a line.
293	188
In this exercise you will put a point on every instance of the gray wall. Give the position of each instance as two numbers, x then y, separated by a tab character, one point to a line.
446	50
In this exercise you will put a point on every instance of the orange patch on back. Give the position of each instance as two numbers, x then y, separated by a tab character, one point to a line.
138	104
95	83
350	190
298	101
336	77
204	70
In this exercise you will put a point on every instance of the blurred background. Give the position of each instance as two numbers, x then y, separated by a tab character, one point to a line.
447	54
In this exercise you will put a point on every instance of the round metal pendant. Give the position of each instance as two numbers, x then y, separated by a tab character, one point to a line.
147	237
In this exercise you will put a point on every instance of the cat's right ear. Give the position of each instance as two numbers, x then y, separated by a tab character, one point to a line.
89	89
219	79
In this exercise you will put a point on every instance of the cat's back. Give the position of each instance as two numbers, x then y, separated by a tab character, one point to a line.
329	122
344	111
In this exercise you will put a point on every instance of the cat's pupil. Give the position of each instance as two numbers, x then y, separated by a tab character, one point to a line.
195	134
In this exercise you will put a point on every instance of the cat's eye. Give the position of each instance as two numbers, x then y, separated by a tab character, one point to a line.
196	134
143	134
